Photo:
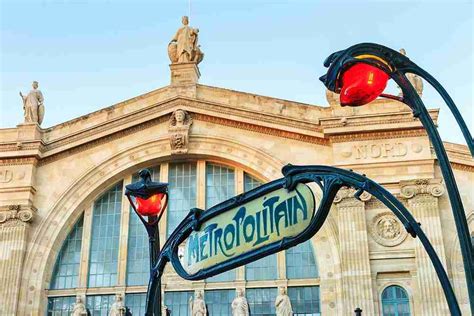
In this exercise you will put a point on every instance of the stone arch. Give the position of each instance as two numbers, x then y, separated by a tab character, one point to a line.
326	248
52	230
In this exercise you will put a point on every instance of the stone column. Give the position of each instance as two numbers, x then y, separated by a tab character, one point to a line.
14	221
355	263
422	199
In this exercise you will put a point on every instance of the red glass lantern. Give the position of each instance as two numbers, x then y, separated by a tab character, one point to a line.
362	83
150	206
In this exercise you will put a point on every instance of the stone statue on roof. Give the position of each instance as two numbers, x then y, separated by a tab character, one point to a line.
184	47
33	105
415	80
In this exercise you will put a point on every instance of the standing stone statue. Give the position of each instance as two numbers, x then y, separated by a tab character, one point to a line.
33	105
118	307
283	304
184	47
416	81
197	307
79	308
240	306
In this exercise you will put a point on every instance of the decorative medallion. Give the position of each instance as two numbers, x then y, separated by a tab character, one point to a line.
387	230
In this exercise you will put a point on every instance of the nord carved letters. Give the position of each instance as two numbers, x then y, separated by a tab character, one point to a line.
383	150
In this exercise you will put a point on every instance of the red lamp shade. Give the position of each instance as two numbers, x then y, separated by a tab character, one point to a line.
362	83
150	206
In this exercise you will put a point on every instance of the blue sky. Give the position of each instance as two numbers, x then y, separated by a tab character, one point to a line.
91	54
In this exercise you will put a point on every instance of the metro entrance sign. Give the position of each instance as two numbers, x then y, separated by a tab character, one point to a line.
268	219
242	229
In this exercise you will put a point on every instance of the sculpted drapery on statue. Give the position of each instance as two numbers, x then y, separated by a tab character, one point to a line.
197	306
79	308
118	307
283	304
184	47
33	105
240	306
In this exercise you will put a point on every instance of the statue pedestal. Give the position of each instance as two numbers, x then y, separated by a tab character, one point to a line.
184	74
28	132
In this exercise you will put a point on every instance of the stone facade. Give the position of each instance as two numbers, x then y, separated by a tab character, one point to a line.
49	177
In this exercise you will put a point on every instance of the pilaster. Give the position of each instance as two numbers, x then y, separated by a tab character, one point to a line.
355	266
422	199
14	224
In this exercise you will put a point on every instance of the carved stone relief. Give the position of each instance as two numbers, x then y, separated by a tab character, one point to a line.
179	126
387	230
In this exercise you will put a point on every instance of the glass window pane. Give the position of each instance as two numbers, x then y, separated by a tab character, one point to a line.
60	306
182	192
220	186
300	262
99	305
219	302
66	270
261	301
305	300
265	268
105	238
178	302
136	303
250	182
395	301
138	262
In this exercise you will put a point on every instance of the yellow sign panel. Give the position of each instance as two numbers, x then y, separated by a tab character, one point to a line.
245	228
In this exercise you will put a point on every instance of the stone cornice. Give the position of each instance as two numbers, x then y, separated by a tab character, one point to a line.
390	134
261	129
410	189
18	161
12	215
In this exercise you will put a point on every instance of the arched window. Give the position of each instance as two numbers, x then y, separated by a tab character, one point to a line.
105	238
265	268
107	251
300	262
395	301
66	269
220	186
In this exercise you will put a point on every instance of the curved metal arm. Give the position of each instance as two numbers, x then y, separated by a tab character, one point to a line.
330	180
397	66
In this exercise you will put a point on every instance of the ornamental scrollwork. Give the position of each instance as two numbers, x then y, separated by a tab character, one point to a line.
15	214
432	187
348	193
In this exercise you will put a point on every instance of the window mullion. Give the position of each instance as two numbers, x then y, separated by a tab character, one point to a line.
239	188
123	239
85	247
164	168
201	184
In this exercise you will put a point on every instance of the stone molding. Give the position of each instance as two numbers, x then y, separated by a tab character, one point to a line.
348	193
387	230
410	189
13	215
356	136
